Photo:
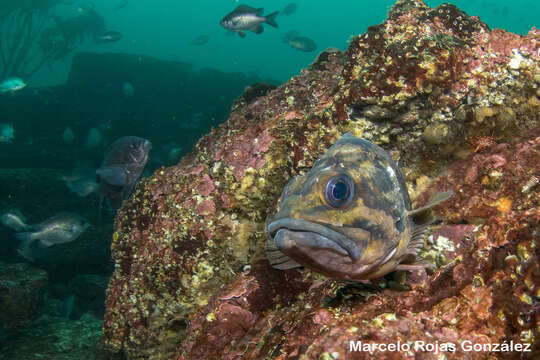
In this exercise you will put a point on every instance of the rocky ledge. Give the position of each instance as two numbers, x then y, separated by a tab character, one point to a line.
456	103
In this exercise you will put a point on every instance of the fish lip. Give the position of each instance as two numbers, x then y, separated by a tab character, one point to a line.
299	224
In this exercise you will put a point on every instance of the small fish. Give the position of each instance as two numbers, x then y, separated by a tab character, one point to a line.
11	85
121	168
122	4
109	36
93	139
14	220
290	9
298	42
60	229
200	40
68	136
7	133
127	89
349	217
245	18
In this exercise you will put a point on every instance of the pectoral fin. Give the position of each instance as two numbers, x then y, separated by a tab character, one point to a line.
416	264
423	215
257	29
277	259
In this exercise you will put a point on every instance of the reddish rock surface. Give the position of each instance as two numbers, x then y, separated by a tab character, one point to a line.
486	291
429	85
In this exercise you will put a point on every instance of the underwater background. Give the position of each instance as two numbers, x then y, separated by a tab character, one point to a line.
172	76
166	28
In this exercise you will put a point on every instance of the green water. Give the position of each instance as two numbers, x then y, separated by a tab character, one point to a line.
165	28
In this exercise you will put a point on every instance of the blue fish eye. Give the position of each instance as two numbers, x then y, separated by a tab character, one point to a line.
339	191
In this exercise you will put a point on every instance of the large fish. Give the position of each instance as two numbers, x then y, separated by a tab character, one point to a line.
60	229
121	168
14	220
245	18
349	217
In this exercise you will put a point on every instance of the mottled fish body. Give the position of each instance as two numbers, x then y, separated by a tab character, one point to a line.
14	220
60	229
246	18
349	217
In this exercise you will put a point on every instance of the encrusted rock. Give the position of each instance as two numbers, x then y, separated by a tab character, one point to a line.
192	228
21	294
438	133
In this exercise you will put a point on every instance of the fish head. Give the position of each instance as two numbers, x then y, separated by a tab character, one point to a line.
140	149
241	20
346	216
229	22
13	84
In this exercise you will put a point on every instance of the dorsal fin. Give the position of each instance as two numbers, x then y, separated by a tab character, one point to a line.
422	215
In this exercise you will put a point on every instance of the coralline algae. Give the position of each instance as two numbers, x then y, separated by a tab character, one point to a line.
419	84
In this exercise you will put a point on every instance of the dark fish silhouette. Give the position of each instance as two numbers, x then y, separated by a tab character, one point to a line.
122	4
245	18
121	168
200	40
289	9
349	217
302	43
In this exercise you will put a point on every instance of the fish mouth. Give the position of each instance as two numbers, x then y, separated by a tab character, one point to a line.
311	234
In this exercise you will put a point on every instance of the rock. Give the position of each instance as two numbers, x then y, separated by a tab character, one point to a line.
377	113
438	133
191	229
252	92
21	294
485	283
60	340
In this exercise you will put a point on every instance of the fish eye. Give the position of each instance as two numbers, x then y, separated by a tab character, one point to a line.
339	191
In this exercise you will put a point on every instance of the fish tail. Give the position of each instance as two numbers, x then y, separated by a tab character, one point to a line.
26	238
271	19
